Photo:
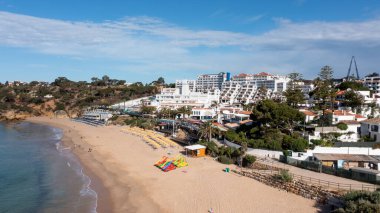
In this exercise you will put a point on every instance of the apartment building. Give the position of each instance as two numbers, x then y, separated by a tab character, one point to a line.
248	88
373	83
190	83
207	82
178	97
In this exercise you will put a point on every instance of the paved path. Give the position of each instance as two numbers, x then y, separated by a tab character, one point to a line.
316	175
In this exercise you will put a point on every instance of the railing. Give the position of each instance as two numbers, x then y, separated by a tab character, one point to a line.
328	185
317	167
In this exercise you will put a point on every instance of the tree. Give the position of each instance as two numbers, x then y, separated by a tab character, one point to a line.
325	120
324	91
352	85
277	115
61	82
326	73
375	74
294	79
106	79
294	97
184	110
361	201
353	99
161	81
147	109
170	85
94	79
248	160
206	130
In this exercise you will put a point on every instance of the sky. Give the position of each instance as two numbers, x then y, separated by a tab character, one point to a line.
138	40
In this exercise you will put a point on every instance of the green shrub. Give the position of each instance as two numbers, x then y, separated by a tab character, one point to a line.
59	106
114	118
342	126
248	160
285	176
225	160
360	201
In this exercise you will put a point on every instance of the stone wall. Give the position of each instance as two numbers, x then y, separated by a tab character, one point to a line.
297	187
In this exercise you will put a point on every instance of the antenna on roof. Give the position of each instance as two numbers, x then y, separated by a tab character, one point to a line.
349	69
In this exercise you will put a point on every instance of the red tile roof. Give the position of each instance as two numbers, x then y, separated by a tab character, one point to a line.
263	74
359	116
342	92
246	121
309	113
242	75
245	112
340	112
231	125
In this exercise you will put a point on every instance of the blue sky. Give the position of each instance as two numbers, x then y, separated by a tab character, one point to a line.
142	40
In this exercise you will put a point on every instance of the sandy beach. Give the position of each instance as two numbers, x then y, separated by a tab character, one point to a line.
121	167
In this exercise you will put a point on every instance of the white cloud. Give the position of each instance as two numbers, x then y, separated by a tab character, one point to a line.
147	43
254	18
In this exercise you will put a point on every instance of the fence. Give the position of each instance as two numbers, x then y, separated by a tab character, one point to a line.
314	166
328	185
353	144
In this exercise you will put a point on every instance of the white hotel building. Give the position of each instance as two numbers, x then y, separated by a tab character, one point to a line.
373	83
210	88
244	88
207	82
183	96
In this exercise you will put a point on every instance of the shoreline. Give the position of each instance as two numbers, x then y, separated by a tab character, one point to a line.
114	193
104	202
128	181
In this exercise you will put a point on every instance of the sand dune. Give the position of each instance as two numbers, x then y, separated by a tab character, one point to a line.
130	183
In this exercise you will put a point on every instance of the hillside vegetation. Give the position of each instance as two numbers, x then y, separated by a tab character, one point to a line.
20	100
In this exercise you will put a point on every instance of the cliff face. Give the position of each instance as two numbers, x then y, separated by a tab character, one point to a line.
36	110
13	115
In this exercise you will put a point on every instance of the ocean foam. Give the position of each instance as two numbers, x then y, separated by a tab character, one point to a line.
73	163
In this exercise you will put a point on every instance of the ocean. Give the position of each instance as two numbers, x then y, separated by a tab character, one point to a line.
39	174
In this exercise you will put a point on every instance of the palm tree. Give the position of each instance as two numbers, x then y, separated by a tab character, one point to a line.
206	131
185	110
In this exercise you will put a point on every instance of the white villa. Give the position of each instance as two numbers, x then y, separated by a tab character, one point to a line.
371	129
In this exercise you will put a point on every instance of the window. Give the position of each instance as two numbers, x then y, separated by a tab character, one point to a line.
374	128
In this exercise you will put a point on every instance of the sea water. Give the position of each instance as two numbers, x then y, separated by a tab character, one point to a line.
39	174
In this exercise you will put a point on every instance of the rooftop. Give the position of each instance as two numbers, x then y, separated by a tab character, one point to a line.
231	125
350	122
195	147
371	121
340	112
242	75
263	74
341	92
245	122
307	112
245	112
359	116
346	157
